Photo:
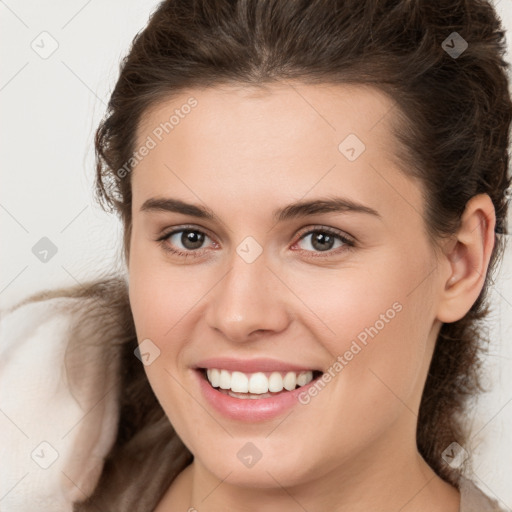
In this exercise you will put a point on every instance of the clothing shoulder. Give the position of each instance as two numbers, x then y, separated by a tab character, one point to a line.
475	500
59	367
24	321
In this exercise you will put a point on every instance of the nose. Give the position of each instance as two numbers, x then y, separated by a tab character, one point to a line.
248	301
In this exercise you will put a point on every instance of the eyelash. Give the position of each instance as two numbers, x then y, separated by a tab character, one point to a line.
348	242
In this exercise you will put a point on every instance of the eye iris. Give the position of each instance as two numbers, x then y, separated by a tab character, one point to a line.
192	239
322	238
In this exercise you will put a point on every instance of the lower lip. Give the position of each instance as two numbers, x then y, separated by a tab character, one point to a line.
259	409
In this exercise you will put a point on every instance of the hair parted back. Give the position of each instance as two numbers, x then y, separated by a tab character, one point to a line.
451	116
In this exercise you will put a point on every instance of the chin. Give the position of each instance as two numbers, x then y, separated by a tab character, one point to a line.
262	475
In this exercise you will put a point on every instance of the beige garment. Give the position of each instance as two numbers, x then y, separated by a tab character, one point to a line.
54	436
472	499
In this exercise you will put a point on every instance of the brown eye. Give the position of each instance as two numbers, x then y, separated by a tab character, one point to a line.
323	240
184	242
191	239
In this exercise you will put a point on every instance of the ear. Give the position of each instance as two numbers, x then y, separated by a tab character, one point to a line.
466	259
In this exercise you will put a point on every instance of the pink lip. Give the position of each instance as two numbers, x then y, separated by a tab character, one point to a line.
250	410
251	365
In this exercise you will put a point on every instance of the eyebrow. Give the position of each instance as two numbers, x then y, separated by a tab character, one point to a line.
292	211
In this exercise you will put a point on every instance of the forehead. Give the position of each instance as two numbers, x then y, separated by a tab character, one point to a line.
286	138
266	109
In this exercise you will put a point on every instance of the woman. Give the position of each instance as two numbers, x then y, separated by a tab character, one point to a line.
312	196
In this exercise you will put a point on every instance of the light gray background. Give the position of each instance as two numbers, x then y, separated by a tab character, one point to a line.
49	110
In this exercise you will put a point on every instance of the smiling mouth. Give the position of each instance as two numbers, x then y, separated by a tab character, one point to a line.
256	385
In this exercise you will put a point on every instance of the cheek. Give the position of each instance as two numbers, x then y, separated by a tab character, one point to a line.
160	293
164	301
377	376
160	314
374	324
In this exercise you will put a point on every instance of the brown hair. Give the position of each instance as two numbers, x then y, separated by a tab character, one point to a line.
452	119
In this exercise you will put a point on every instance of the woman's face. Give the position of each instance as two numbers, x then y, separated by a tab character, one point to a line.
256	284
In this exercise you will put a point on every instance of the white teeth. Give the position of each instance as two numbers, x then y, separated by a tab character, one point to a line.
239	382
224	379
302	379
213	376
290	381
275	382
257	383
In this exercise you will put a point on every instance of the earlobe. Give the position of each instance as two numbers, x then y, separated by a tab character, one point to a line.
467	259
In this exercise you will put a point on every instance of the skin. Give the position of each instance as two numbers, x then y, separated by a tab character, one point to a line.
244	152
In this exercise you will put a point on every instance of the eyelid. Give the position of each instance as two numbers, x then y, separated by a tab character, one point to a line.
319	227
184	227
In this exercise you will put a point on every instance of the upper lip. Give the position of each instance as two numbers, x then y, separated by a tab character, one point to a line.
251	365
